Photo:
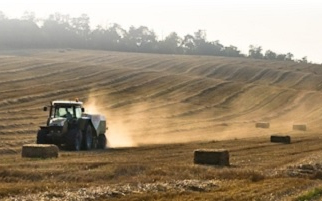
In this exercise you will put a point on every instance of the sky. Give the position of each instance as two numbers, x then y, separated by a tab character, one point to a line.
279	25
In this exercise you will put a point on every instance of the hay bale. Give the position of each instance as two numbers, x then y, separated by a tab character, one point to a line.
281	139
211	157
262	125
300	127
39	151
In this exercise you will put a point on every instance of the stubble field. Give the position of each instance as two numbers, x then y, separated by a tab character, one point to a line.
160	108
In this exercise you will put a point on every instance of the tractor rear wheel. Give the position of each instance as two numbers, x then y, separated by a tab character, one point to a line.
74	139
88	138
95	142
101	144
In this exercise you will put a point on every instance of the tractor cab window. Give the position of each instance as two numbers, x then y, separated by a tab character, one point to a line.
68	111
78	112
65	112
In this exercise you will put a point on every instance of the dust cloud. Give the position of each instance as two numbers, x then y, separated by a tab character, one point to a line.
117	134
133	126
144	123
138	124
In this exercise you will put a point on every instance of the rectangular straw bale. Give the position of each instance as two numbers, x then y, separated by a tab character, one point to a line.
300	127
39	151
211	157
281	139
262	125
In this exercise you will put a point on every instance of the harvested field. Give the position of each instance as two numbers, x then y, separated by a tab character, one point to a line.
160	108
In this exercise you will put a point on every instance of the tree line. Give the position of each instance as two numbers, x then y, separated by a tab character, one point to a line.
63	31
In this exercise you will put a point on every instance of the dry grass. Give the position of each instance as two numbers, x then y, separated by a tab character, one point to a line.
164	107
120	169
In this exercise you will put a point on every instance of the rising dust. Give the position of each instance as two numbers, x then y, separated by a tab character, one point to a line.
117	134
138	124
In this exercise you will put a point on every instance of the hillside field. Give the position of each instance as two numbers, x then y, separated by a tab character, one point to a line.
160	108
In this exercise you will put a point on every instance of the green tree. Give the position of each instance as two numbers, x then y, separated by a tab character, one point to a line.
270	55
171	44
81	27
116	34
255	52
16	33
200	38
281	57
58	32
211	48
289	57
141	39
231	51
303	60
98	40
203	47
188	44
111	38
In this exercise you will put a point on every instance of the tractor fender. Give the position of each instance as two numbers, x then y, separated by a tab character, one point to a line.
98	123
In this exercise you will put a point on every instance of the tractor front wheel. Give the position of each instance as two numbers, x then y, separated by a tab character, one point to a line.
74	140
41	137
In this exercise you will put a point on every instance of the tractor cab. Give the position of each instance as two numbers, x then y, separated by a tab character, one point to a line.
64	109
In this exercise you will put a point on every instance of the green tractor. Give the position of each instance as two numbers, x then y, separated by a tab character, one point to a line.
68	126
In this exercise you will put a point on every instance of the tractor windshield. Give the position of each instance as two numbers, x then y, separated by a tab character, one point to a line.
67	111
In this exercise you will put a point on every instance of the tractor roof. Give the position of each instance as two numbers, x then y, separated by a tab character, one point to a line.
62	102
